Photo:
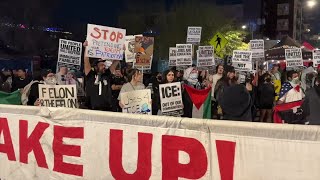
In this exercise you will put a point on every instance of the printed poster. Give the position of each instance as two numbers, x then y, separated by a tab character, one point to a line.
171	99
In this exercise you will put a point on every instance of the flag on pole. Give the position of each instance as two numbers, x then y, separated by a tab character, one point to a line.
13	98
197	103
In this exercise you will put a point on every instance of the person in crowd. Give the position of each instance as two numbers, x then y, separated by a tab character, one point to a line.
5	80
215	78
98	86
21	80
253	93
71	79
61	75
135	79
179	76
190	77
266	96
275	73
307	77
156	81
44	77
291	91
235	101
311	104
117	81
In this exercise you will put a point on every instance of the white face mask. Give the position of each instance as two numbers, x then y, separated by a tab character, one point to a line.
193	76
296	80
51	80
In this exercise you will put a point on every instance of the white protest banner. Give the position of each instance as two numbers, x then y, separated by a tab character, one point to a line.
257	48
184	54
105	42
137	102
242	56
194	35
316	58
69	54
59	143
242	66
144	52
129	53
205	56
171	99
172	56
58	96
294	57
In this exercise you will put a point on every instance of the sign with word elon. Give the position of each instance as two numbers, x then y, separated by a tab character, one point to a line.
58	96
257	48
316	58
194	35
105	42
69	54
184	54
294	57
171	99
137	102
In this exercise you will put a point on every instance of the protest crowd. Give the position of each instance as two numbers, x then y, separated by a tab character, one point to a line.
111	80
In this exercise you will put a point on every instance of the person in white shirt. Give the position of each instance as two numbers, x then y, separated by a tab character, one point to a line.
215	78
291	91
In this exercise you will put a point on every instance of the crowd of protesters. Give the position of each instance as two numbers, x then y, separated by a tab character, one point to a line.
251	99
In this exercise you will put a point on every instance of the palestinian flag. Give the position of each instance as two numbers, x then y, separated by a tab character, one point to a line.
197	103
13	98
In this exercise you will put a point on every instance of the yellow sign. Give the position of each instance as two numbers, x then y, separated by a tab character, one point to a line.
277	87
218	42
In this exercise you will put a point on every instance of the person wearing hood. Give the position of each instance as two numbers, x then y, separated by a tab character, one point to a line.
311	103
190	77
291	91
234	99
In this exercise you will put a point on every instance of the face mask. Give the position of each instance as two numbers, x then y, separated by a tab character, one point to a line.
51	80
296	80
194	76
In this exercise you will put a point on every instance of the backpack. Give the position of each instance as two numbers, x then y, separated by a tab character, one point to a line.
26	91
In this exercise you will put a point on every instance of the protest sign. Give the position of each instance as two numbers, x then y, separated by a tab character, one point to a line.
137	102
172	56
105	42
144	52
129	53
294	57
316	58
58	96
194	35
60	143
205	56
171	99
69	54
257	48
242	66
184	54
242	60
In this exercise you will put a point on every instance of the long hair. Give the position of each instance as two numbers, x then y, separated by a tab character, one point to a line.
131	73
164	76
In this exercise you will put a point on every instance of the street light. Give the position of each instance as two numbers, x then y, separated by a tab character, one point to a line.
311	3
244	27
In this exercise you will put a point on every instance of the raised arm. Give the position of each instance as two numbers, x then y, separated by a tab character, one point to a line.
87	65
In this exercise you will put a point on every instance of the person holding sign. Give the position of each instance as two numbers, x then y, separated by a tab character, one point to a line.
135	78
98	86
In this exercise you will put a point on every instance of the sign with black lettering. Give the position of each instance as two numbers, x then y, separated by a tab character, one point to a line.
242	66
137	102
242	56
184	54
194	35
69	54
171	99
316	58
172	56
58	96
257	48
205	56
294	57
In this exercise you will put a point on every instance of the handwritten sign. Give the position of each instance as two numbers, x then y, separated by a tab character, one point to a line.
144	52
172	56
171	99
58	96
137	102
294	57
257	48
316	58
105	42
69	54
184	54
205	56
194	35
